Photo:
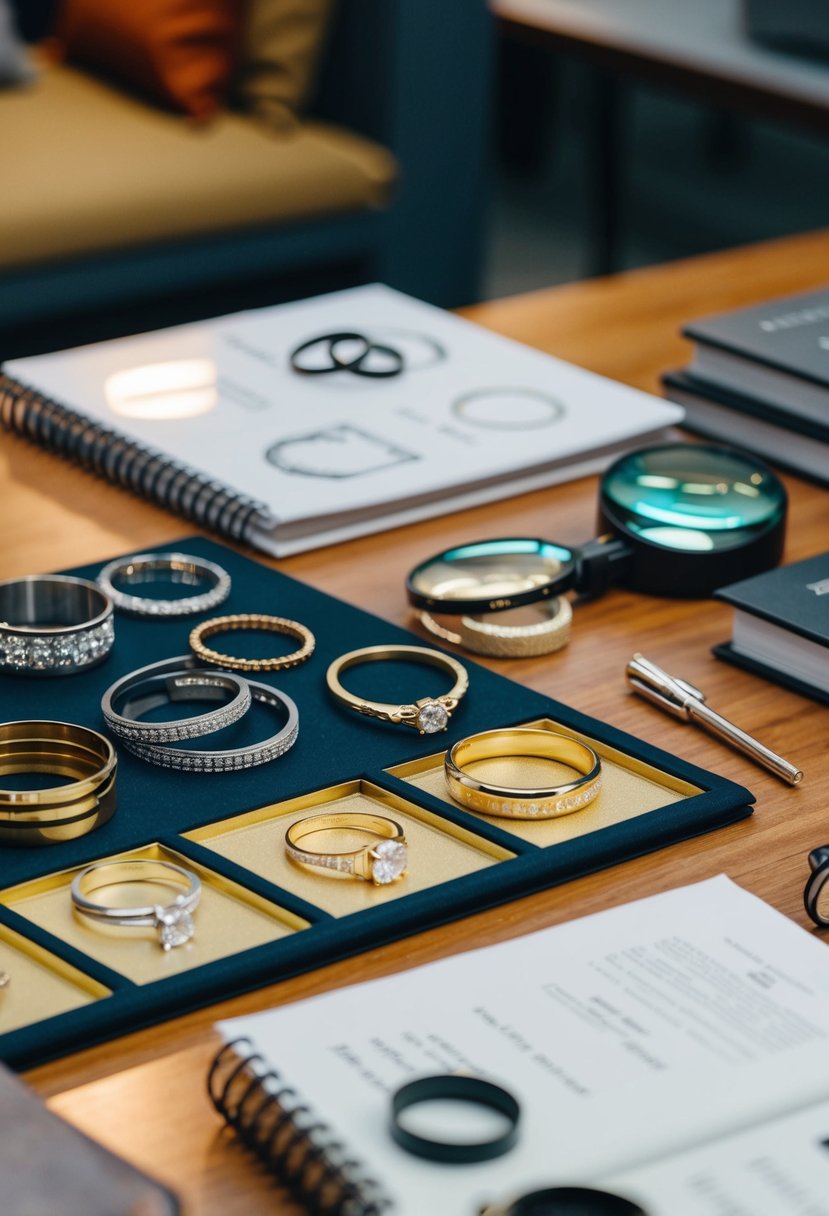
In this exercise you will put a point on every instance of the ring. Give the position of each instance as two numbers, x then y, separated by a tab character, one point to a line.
491	635
228	760
381	862
356	364
181	568
5	979
252	620
125	701
60	812
454	1088
173	922
429	714
543	802
53	624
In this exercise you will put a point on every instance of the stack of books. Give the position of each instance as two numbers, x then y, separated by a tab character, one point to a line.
759	378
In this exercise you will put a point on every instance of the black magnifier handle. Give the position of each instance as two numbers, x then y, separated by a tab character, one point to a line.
602	563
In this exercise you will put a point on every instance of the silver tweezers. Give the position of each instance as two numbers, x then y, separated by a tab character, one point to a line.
684	701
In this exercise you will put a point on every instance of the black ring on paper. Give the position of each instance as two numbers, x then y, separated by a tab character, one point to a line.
336	365
573	1200
458	1088
358	366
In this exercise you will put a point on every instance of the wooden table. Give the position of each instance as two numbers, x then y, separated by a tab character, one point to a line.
699	49
53	515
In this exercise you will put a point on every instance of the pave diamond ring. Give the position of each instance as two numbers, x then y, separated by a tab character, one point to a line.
174	680
382	861
536	801
228	760
175	568
429	714
53	625
172	921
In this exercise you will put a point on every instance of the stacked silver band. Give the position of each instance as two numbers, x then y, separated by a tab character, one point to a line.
172	567
180	679
53	625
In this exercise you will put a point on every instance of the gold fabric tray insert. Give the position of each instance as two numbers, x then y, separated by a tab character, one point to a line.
229	919
438	851
42	985
630	788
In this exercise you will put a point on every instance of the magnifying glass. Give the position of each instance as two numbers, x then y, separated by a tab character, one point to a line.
568	1201
679	519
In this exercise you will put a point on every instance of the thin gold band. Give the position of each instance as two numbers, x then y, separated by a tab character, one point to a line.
523	803
257	621
379	863
429	714
64	812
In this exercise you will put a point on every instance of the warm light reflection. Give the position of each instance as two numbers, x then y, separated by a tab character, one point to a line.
182	388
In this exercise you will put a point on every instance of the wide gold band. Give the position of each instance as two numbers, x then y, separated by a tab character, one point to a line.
540	802
429	714
255	621
544	628
62	812
381	862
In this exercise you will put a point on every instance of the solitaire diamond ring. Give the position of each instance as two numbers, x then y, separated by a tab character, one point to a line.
382	861
429	714
173	921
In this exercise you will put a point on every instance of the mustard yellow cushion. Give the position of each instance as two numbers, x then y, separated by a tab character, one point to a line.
281	44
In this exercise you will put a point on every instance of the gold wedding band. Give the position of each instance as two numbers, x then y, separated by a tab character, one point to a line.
256	621
381	862
59	812
429	714
512	802
495	634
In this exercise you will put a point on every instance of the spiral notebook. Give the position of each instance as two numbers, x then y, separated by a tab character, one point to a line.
641	1042
213	421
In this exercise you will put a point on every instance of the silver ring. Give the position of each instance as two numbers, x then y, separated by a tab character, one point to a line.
179	568
53	625
231	759
173	922
128	699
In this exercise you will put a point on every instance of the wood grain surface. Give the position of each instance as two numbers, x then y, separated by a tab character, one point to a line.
627	327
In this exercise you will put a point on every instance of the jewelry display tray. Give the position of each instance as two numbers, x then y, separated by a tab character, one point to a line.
262	918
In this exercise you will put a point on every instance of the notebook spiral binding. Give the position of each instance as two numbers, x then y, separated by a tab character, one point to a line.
271	1120
128	463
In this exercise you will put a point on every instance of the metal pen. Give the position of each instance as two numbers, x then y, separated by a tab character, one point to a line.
682	700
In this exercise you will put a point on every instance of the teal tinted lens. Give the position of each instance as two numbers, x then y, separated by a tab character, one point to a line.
490	575
693	497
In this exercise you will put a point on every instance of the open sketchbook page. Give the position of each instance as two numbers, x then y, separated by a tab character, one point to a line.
626	1035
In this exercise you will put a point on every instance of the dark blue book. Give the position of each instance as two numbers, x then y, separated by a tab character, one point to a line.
777	353
781	626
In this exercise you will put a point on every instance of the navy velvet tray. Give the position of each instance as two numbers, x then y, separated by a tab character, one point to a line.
334	746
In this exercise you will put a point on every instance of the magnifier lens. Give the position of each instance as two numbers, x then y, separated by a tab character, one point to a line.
718	514
491	575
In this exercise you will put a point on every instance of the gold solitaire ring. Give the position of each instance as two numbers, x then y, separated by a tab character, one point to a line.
429	714
381	861
515	802
256	621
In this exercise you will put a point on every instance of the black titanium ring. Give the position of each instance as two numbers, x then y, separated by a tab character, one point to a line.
457	1088
336	365
358	366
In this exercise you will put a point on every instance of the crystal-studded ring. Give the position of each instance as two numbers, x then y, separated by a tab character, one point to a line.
534	801
429	714
53	625
172	921
173	680
381	861
228	760
175	568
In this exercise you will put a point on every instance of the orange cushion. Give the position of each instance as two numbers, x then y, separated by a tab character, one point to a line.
178	52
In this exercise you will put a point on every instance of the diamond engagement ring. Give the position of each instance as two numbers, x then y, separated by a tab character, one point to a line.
523	802
381	862
174	680
175	568
228	760
173	921
53	625
429	714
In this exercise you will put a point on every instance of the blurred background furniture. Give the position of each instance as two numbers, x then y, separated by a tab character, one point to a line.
701	50
123	216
